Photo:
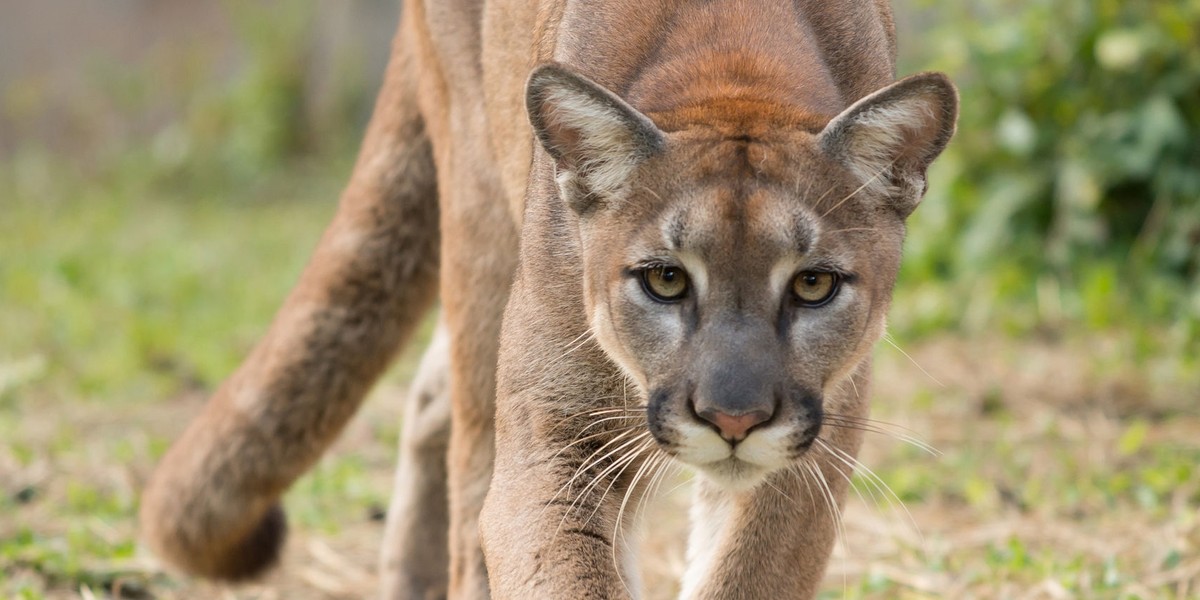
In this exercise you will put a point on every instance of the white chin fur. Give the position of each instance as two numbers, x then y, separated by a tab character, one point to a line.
740	469
734	475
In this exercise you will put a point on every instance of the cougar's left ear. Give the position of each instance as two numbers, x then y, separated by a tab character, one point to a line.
889	138
596	138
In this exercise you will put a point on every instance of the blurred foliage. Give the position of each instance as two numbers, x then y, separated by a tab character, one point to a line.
261	118
117	289
263	115
1072	190
149	266
212	113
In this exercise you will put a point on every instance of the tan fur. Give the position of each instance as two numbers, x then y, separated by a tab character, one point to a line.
742	142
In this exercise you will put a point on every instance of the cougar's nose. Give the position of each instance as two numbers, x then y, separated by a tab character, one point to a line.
734	427
737	381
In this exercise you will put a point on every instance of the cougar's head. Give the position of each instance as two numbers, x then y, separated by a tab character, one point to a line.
739	274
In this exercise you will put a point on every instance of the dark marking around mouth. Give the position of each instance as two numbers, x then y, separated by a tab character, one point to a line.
658	412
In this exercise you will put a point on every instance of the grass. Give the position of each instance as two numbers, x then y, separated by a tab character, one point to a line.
1050	485
1068	465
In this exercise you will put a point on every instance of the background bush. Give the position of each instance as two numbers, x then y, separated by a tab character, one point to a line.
1072	191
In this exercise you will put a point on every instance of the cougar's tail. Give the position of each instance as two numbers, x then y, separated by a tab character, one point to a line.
212	507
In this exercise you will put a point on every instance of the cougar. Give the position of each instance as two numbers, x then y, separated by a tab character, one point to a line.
662	232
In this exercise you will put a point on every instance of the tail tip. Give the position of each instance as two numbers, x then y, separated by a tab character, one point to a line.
233	561
255	554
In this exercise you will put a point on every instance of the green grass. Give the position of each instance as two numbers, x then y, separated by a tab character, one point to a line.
1058	478
126	292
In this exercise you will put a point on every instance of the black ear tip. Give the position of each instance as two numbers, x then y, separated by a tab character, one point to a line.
550	73
931	78
545	72
538	78
938	84
541	78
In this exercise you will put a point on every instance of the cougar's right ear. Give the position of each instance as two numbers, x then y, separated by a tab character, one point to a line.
596	139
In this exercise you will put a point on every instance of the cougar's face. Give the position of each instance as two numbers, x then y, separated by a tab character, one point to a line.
739	295
739	273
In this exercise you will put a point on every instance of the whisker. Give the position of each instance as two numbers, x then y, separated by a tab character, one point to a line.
612	431
870	475
611	418
888	338
860	188
621	435
613	410
812	473
579	340
586	411
781	493
849	229
870	426
622	464
679	469
870	488
571	347
870	421
626	461
664	465
820	200
637	476
589	412
584	465
589	464
617	463
808	488
654	460
807	189
854	386
651	192
830	498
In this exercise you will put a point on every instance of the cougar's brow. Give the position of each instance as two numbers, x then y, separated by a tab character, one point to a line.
673	228
788	222
802	230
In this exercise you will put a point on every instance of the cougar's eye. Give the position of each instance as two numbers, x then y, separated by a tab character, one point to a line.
665	284
815	288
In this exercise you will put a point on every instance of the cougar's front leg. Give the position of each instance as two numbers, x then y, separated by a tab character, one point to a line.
478	259
479	255
476	277
415	560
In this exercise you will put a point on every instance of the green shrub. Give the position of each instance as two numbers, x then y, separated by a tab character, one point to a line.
1077	159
